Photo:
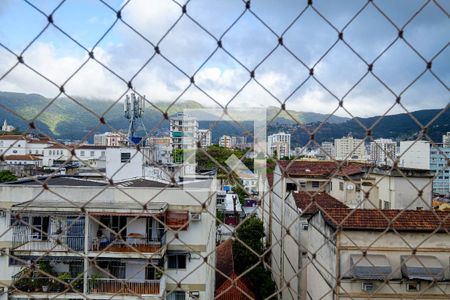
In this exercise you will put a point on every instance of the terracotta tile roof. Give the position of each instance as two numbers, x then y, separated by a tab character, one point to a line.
374	219
21	157
224	286
324	168
309	203
12	137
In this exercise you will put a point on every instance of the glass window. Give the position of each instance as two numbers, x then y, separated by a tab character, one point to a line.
176	261
125	157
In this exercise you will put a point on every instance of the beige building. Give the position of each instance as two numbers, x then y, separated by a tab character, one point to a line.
349	148
390	254
225	141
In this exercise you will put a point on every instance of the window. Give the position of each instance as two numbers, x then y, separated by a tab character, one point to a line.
315	184
150	273
177	295
291	187
341	186
81	153
387	205
412	287
125	157
358	187
305	226
40	226
92	153
367	287
302	185
176	261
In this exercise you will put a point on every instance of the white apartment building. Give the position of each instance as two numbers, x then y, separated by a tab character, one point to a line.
327	150
204	137
362	254
56	155
349	148
91	155
383	152
13	144
110	139
446	140
225	141
414	154
160	150
279	144
136	239
183	131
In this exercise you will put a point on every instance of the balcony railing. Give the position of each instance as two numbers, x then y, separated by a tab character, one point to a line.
23	240
48	285
124	286
131	243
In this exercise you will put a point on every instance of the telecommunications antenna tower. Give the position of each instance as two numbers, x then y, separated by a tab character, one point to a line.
133	108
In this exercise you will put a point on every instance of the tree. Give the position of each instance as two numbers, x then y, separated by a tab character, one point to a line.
251	232
6	176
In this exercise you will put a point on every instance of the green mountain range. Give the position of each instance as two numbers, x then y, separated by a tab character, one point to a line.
65	119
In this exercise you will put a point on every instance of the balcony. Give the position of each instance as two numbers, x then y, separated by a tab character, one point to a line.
125	286
26	240
131	243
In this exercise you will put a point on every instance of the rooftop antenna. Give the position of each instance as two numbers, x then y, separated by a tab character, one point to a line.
133	108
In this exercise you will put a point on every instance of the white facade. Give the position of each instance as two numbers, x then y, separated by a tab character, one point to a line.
56	155
414	154
13	144
183	131
91	245
23	160
160	150
349	148
110	139
446	139
279	144
327	150
383	151
225	141
6	127
91	155
338	253
204	137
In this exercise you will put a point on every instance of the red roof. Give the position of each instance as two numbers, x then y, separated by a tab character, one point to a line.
270	179
311	202
225	290
374	219
325	168
21	157
12	137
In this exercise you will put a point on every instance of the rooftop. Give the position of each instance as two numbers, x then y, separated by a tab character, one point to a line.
374	219
310	203
14	137
21	157
325	168
58	180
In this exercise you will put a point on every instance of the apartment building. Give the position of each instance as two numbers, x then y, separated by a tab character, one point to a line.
225	141
356	184
279	144
110	139
134	239
383	152
439	157
288	255
205	138
414	154
183	131
350	148
391	254
327	151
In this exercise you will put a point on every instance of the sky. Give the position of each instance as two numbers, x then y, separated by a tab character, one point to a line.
189	49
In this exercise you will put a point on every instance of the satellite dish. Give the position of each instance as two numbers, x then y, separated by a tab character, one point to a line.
350	187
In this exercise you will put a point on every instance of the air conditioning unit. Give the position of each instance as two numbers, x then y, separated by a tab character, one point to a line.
196	216
367	287
194	295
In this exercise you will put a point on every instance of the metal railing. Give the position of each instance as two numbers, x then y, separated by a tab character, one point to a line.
124	286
